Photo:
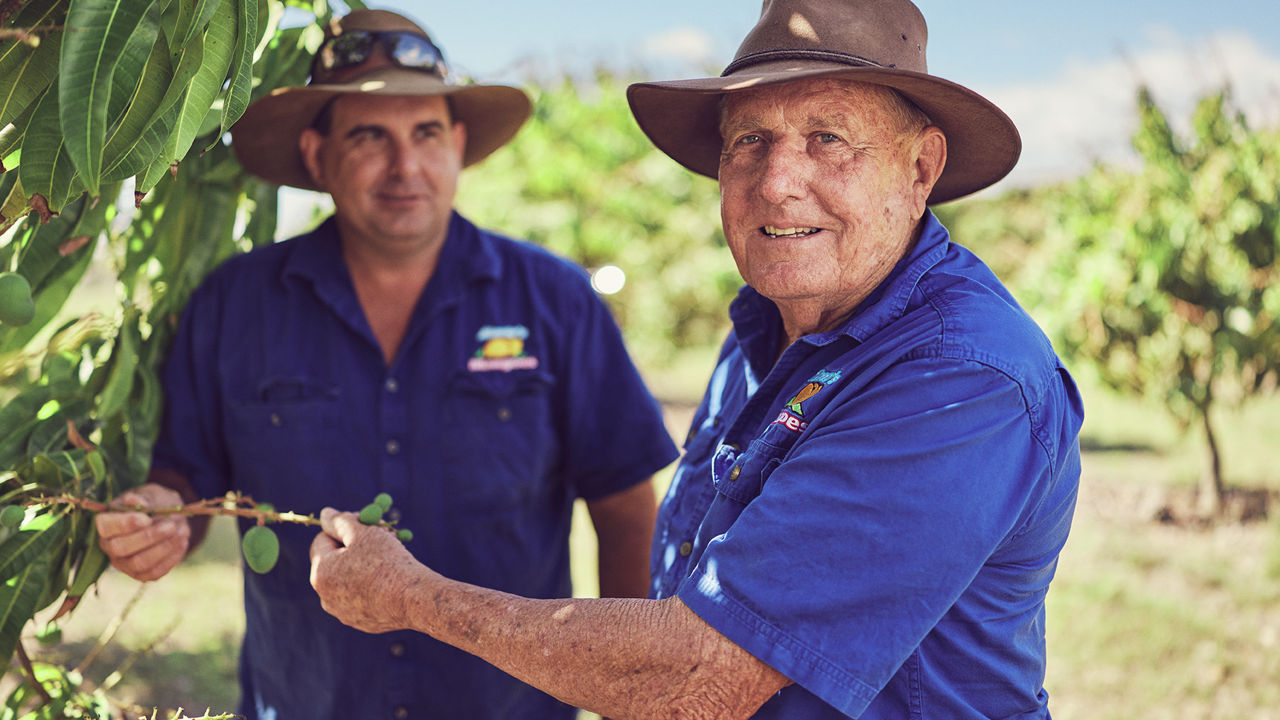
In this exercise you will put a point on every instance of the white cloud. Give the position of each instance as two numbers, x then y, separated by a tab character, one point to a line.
1087	112
689	46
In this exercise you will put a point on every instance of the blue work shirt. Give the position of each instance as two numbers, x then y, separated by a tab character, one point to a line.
511	395
878	513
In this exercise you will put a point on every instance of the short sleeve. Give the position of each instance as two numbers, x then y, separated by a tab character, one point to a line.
870	527
189	439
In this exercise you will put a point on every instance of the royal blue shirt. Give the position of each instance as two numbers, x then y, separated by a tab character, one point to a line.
511	395
878	513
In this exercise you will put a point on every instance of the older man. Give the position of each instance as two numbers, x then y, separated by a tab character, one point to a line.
883	470
398	348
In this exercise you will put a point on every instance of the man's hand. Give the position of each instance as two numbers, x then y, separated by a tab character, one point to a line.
139	545
362	573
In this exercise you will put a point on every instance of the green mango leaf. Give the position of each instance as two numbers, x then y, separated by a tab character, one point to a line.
89	59
46	168
241	87
219	46
124	363
11	135
31	544
19	597
128	72
25	72
138	138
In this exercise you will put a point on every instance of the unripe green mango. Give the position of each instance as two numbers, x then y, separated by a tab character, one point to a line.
261	549
16	305
371	514
382	500
11	516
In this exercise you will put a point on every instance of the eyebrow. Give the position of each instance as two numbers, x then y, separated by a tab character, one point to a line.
430	124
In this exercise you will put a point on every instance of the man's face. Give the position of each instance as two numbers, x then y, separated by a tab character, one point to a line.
391	165
820	192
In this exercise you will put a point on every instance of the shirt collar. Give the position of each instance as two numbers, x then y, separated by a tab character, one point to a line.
758	325
468	256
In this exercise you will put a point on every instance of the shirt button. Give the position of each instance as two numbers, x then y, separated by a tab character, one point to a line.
735	472
276	420
397	649
393	515
400	713
391	385
393	447
504	413
686	548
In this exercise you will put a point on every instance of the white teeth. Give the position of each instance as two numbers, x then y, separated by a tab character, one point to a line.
772	231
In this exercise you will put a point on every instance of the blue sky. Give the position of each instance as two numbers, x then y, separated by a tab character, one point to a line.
1065	72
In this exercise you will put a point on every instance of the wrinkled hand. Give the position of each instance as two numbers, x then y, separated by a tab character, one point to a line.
140	545
363	574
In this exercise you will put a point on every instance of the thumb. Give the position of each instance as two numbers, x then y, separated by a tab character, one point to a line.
339	526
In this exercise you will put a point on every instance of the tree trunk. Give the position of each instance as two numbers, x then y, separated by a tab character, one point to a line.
1213	490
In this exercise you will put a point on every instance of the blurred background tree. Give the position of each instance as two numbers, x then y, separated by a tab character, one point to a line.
1164	280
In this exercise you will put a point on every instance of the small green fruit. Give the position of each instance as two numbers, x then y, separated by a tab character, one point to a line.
405	534
371	514
16	304
11	516
261	549
382	500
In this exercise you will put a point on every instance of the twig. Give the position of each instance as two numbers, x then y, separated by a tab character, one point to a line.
31	672
237	505
109	632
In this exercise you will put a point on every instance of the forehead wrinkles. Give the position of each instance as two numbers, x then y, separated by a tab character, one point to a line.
823	103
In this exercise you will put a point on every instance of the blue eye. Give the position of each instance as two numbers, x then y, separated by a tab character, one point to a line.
828	137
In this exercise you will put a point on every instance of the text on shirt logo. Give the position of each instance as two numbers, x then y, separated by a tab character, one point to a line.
501	349
794	408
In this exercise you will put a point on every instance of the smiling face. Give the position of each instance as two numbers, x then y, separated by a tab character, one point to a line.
823	183
391	165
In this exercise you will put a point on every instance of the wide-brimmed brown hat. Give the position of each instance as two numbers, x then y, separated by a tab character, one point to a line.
265	139
873	41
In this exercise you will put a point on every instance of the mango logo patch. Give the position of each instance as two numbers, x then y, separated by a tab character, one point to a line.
793	410
501	349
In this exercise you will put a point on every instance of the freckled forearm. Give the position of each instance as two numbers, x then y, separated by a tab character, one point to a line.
623	658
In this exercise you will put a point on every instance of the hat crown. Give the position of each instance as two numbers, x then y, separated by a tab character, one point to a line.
883	33
367	21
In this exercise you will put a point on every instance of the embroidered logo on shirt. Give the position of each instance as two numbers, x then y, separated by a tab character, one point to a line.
791	415
501	349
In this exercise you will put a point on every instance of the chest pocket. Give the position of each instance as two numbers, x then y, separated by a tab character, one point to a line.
501	436
284	420
740	476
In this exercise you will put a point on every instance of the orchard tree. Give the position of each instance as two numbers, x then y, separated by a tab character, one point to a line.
1166	280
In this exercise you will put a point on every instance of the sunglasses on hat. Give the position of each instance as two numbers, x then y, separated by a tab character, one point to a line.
406	49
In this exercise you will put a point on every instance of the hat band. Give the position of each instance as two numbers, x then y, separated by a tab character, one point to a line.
835	56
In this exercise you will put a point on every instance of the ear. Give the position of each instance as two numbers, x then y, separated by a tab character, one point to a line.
309	145
929	157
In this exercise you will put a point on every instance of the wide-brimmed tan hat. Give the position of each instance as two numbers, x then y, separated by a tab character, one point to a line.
873	41
265	139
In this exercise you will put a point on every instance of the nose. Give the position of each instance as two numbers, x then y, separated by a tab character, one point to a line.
784	172
403	160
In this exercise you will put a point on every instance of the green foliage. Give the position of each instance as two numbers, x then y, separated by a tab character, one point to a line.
582	180
94	93
1166	280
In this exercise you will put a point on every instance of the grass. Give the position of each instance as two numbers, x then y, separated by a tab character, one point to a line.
1145	619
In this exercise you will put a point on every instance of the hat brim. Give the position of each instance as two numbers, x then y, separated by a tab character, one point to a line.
265	139
682	118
